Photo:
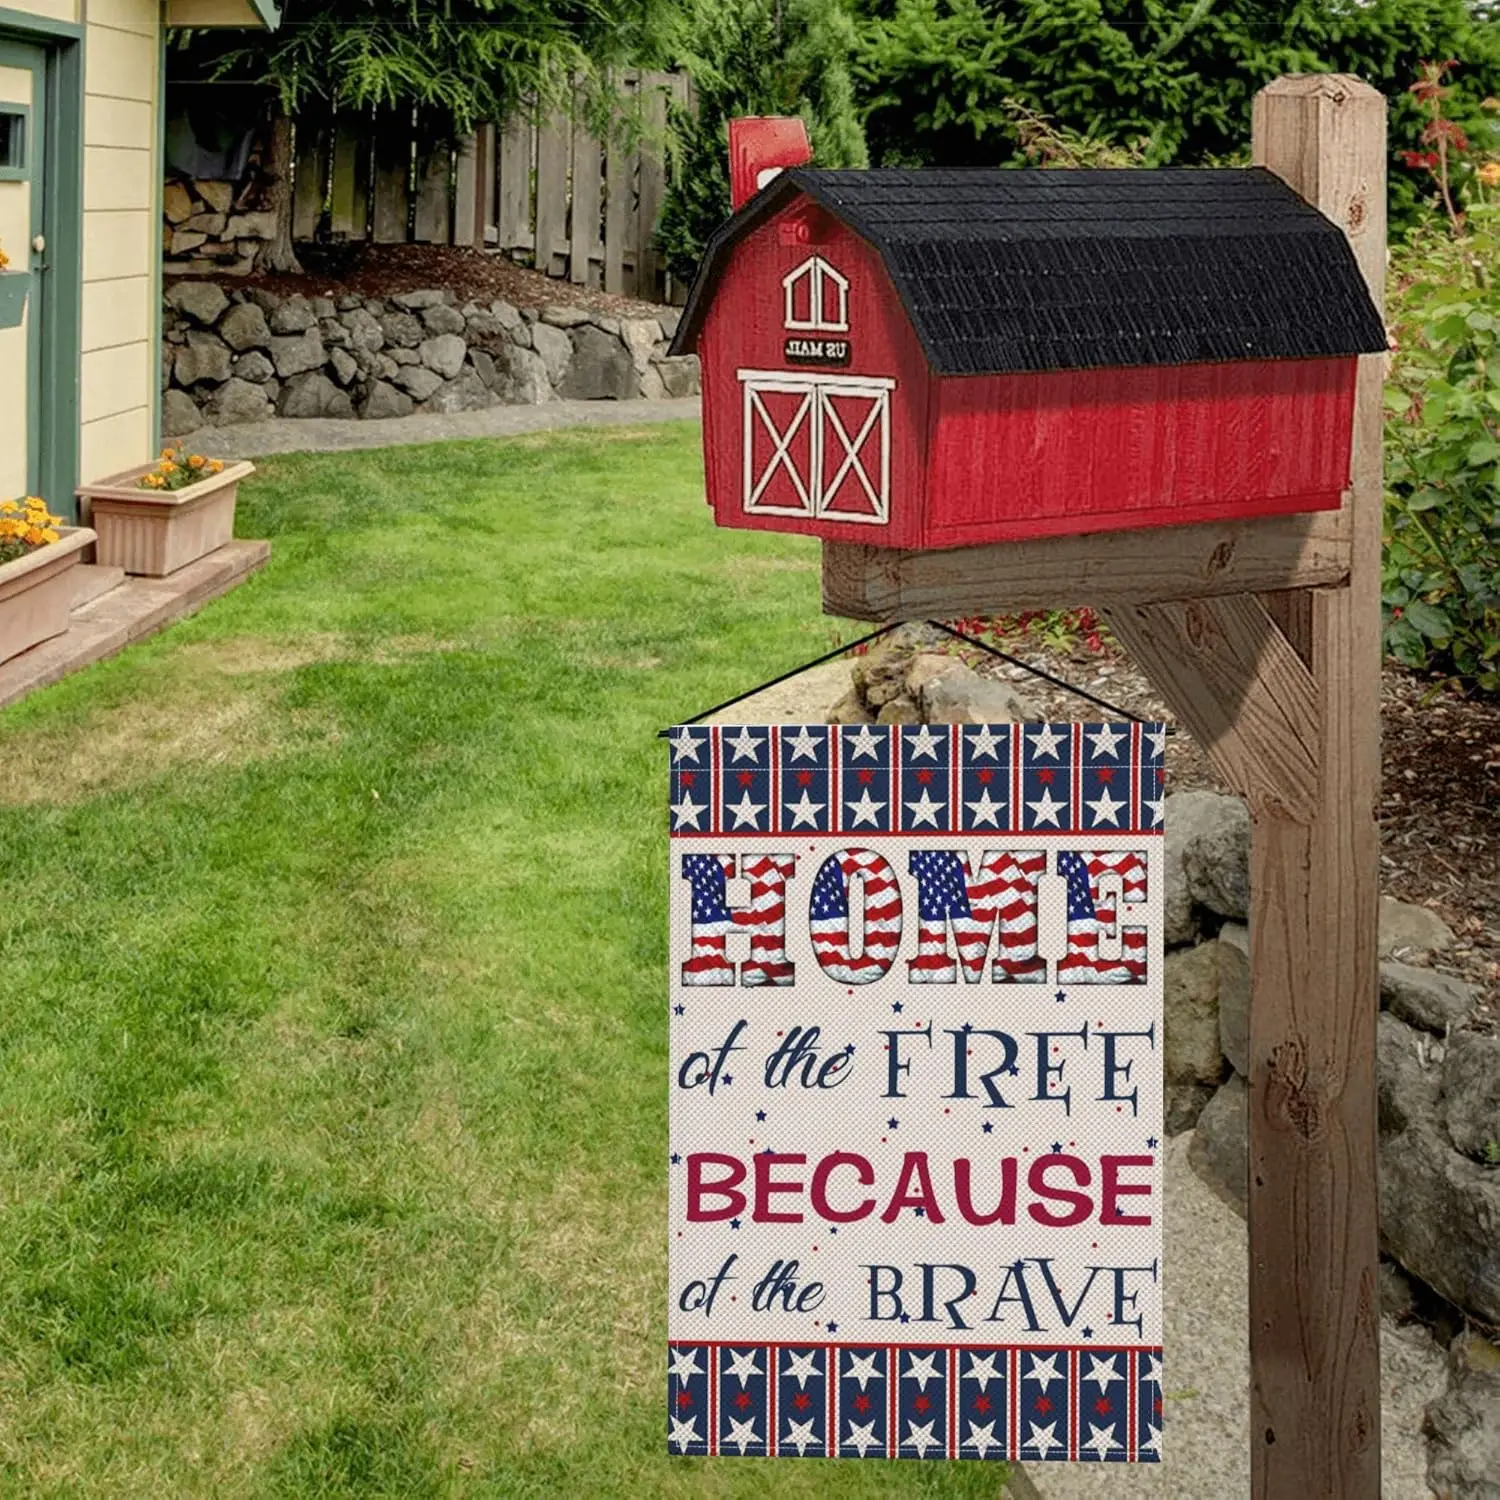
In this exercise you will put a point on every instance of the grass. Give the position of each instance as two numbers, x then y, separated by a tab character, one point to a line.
332	944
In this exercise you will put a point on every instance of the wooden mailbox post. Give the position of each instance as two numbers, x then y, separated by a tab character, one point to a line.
1264	636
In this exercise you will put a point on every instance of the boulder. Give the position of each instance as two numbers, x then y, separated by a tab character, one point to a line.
366	331
1463	1425
201	301
324	309
417	381
926	667
525	380
601	369
669	318
239	401
244	327
640	336
313	395
401	329
343	366
206	358
1423	997
1184	1104
880	674
1190	1039
385	400
850	709
559	316
485	331
466	393
403	356
420	301
1408	931
207	224
556	350
486	368
218	195
349	301
606	324
1234	996
254	367
440	318
506	315
179	414
899	710
295	315
679	374
335	335
176	203
1209	833
185	240
444	353
266	301
260	226
964	697
1407	1081
1471	1097
651	386
297	353
1220	1150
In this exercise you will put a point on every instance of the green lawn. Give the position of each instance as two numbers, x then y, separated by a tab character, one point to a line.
332	954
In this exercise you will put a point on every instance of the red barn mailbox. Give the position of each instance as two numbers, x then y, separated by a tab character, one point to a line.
926	359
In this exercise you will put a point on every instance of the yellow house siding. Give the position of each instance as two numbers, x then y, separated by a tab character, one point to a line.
121	233
54	10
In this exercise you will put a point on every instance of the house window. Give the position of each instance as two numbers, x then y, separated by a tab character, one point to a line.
817	297
12	140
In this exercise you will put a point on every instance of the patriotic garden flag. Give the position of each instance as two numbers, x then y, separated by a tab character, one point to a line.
916	1092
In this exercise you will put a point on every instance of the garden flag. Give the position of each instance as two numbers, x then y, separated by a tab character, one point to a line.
916	1091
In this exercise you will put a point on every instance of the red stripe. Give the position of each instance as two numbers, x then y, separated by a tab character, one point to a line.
713	1401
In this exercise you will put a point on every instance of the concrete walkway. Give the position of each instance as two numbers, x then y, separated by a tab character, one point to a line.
333	435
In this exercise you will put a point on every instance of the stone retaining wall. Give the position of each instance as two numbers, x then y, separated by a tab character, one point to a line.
248	354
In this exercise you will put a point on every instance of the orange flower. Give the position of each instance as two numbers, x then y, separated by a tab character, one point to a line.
1489	174
196	461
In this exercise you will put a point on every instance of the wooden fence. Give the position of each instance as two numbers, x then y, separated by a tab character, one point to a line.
539	187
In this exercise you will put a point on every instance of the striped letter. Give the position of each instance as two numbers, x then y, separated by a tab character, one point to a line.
1003	895
828	916
714	919
1100	950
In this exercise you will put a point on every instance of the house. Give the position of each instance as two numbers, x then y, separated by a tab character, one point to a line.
80	223
938	358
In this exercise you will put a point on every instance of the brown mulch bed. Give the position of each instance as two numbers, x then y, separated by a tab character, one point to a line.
1440	803
471	275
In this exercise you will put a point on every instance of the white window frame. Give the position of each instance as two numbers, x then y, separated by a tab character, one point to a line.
817	409
817	271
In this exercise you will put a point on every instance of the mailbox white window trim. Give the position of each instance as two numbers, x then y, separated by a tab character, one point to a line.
819	276
817	411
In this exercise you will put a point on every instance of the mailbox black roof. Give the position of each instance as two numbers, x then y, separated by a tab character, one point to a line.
1003	271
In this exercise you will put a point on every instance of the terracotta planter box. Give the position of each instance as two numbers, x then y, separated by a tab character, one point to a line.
154	534
37	592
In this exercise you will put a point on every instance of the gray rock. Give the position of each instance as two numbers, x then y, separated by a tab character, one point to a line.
239	401
679	374
206	358
1463	1425
467	393
485	331
385	400
245	327
1423	997
179	414
295	315
385	367
418	382
1212	835
529	315
1234	996
323	307
218	195
404	356
335	335
1406	1082
507	316
349	301
441	318
201	301
420	301
343	366
297	353
651	386
1220	1151
964	697
444	353
606	324
556	350
1190	1041
899	710
375	307
1183	1105
1471	1096
313	395
521	337
185	241
601	368
254	367
209	224
260	226
559	316
669	318
1407	931
525	380
881	673
486	368
372	366
640	336
366	331
1398	1292
850	709
266	301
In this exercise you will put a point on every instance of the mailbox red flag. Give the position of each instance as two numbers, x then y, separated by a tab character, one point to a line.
759	148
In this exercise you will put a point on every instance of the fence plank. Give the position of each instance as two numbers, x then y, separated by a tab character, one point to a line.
311	179
552	152
585	250
347	204
392	174
653	182
466	192
514	204
430	226
485	171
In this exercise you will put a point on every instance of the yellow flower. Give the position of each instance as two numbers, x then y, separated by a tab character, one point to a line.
8	506
34	536
196	461
168	467
1489	174
50	534
217	466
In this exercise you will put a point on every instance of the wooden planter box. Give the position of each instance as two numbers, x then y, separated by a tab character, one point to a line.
37	592
14	286
154	534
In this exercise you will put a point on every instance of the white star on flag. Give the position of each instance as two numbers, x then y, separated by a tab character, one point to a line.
742	1433
1102	1372
684	746
923	742
687	810
745	811
921	1369
806	811
1105	739
982	1438
862	1437
801	1365
1044	1439
984	740
1043	1371
1105	808
1101	1440
743	1365
985	810
983	1370
1152	1372
866	810
1154	808
684	1363
1157	739
800	1435
920	1438
745	744
1046	809
1046	740
684	1433
1151	1444
862	1368
803	743
925	810
864	741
